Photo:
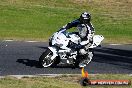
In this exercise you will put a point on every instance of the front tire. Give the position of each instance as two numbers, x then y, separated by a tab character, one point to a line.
45	59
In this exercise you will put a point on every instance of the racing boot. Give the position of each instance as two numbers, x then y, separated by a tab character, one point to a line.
87	60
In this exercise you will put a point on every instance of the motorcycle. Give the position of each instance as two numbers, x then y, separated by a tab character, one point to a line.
61	50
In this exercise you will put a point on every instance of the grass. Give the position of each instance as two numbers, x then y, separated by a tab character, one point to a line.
39	19
60	81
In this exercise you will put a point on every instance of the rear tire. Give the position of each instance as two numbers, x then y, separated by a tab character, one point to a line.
45	59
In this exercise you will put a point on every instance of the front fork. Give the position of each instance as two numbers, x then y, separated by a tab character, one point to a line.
54	50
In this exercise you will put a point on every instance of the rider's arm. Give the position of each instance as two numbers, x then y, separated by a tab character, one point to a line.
70	25
91	28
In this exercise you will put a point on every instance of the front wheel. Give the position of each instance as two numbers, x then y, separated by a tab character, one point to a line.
45	59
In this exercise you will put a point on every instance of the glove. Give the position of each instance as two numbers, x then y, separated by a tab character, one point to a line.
77	46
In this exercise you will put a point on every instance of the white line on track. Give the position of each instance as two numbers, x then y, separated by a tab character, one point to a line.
38	41
46	75
16	40
8	40
115	44
39	75
31	41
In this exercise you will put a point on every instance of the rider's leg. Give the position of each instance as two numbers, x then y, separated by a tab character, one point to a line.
87	59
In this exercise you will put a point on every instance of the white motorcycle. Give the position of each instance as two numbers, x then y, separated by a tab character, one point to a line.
61	50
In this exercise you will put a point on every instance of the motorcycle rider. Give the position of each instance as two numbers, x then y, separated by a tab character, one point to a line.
85	31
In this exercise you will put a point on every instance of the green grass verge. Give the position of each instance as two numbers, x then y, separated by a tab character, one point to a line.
60	81
39	19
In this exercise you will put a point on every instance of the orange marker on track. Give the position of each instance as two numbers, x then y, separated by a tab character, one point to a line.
85	81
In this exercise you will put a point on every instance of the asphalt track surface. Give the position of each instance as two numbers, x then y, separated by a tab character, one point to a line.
21	58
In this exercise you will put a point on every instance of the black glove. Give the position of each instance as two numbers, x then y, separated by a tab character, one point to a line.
75	46
78	46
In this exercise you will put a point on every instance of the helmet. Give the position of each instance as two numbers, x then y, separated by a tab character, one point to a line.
85	18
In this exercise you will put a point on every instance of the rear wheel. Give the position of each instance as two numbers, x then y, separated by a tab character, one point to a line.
45	59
